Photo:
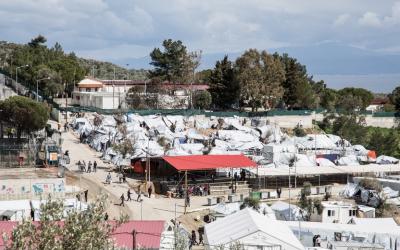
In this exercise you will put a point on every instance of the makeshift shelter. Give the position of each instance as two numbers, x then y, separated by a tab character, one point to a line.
286	211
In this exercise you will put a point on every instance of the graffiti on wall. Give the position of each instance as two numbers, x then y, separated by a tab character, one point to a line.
37	186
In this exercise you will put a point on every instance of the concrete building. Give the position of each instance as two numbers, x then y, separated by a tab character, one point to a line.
111	94
251	230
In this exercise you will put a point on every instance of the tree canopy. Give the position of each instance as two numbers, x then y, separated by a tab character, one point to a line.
395	98
351	99
79	230
63	69
174	63
224	88
24	114
260	77
202	99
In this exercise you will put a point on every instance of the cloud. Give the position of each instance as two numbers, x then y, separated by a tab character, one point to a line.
370	19
113	30
341	20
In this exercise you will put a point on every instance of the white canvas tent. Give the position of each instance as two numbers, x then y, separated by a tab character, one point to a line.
252	230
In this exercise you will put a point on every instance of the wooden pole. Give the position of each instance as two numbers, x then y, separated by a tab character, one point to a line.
186	191
133	239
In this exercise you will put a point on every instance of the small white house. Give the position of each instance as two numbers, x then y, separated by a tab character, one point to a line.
251	230
338	212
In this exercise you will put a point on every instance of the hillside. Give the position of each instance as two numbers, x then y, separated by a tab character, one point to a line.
98	69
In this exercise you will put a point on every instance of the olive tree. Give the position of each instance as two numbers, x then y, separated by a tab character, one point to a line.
76	230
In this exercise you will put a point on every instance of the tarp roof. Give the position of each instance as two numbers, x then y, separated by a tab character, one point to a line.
205	162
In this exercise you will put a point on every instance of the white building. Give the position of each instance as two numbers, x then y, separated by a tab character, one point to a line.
338	212
17	210
110	94
251	230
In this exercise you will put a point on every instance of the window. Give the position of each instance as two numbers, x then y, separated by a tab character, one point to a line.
331	213
352	212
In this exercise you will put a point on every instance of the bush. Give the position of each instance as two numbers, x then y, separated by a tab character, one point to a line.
299	131
202	99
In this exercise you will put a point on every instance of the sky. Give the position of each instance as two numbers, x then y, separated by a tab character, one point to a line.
353	37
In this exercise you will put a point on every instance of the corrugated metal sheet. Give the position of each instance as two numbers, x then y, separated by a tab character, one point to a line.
204	162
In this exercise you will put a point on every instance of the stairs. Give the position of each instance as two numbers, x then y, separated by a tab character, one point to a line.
224	188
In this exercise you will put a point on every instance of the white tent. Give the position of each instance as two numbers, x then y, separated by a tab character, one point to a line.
251	229
286	211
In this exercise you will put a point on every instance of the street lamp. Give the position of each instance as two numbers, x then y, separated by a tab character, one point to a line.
16	73
37	86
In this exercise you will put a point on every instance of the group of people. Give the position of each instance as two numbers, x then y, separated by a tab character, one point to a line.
85	195
129	196
121	178
193	239
88	169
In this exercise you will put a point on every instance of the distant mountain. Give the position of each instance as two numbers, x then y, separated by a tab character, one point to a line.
325	58
336	59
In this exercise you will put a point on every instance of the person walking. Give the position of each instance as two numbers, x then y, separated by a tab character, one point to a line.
84	165
128	194
187	199
89	168
139	198
122	200
108	178
200	237
194	240
94	166
86	195
150	190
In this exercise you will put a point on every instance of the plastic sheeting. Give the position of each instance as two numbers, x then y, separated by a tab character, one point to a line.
383	159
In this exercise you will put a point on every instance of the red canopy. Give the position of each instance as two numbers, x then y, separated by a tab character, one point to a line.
206	162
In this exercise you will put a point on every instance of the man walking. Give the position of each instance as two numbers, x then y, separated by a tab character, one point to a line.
94	166
122	200
129	195
86	195
89	168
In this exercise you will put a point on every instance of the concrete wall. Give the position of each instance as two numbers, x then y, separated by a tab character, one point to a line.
290	121
32	186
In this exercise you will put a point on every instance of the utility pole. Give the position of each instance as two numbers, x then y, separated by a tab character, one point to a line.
290	210
134	239
186	192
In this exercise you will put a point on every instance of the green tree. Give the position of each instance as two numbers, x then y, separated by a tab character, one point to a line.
351	128
64	69
79	230
24	114
172	63
224	88
251	202
395	98
298	92
354	99
328	99
260	77
202	99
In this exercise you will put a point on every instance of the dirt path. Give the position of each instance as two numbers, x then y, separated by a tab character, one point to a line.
114	212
